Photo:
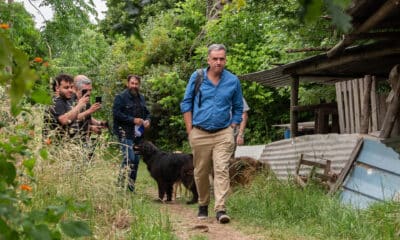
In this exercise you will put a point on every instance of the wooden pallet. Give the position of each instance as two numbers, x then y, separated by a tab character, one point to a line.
326	178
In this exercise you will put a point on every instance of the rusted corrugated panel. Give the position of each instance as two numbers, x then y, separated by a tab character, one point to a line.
374	177
283	156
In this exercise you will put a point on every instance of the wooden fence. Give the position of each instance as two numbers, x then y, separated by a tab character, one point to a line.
350	96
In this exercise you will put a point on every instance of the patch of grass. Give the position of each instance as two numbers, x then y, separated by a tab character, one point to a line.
111	212
310	213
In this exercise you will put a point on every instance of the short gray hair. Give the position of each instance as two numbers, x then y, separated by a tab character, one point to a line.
81	80
216	47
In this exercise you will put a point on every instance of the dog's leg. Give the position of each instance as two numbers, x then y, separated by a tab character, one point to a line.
161	191
169	191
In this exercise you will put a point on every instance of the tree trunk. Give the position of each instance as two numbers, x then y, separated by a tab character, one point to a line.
393	101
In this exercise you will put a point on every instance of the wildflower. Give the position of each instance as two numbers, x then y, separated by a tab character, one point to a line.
38	59
46	64
26	187
48	141
4	25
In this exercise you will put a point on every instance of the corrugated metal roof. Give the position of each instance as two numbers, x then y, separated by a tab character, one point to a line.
374	177
375	59
283	156
253	151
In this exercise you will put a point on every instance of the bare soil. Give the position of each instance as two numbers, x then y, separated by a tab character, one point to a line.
187	226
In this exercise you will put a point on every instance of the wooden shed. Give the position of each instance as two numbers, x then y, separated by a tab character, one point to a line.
355	68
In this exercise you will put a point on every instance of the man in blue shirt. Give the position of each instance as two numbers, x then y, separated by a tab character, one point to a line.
130	116
210	118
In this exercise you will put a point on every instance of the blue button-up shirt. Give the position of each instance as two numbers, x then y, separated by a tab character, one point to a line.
221	105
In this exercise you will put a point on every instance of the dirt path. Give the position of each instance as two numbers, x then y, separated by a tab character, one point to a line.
186	225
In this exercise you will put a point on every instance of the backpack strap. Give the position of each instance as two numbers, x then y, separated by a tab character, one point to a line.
197	84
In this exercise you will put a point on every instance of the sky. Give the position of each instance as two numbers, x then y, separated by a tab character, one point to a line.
48	14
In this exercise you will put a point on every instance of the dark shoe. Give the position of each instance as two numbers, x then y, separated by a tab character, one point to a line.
222	217
203	212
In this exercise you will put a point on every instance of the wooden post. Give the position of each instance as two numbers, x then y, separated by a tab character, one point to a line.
366	106
294	100
394	102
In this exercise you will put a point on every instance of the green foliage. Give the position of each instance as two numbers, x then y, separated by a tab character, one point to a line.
22	28
315	94
14	70
313	9
310	212
167	121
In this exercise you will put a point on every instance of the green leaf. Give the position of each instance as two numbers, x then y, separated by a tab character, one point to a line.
75	229
39	232
41	96
54	213
44	154
6	232
29	163
7	171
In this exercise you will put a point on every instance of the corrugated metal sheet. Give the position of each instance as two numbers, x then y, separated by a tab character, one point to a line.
283	156
374	177
253	151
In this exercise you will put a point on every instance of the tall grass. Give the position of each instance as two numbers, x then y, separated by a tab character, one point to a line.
309	212
111	211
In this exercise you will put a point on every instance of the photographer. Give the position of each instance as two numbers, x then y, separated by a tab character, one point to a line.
87	123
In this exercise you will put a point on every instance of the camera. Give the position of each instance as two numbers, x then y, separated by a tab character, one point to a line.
98	99
84	91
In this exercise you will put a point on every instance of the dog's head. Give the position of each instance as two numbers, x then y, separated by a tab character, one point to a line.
146	148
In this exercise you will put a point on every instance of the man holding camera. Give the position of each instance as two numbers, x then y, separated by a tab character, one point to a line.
87	123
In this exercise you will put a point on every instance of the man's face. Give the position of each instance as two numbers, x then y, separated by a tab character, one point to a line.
217	60
133	85
85	88
65	89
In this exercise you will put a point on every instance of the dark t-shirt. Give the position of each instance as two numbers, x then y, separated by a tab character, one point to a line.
75	129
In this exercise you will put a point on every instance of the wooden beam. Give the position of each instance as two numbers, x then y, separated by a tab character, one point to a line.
345	171
329	63
387	8
294	100
314	106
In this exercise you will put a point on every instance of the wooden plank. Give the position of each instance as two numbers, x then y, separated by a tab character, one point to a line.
366	106
339	100
374	110
345	171
312	163
382	109
351	106
346	107
357	110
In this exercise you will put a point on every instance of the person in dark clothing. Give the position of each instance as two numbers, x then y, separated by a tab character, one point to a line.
130	117
61	117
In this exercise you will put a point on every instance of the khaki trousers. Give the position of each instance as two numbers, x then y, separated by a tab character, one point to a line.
212	151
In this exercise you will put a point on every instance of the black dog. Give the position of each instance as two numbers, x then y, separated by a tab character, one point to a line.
168	168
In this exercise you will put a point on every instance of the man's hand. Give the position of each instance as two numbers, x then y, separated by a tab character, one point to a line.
94	107
146	123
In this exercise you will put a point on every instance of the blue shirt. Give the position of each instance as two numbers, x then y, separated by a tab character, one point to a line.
221	105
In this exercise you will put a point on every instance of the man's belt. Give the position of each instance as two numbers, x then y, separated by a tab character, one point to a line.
209	130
